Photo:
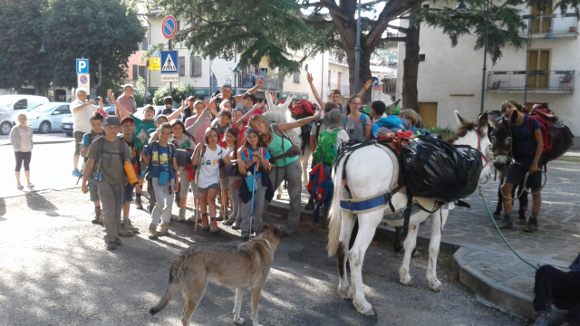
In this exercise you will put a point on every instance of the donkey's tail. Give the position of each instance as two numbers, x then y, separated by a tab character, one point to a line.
335	215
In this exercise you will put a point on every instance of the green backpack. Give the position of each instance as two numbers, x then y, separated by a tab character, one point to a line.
326	149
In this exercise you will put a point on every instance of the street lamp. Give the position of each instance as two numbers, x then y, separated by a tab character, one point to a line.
462	8
485	40
357	50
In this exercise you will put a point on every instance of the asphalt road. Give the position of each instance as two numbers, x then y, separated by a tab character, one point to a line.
55	271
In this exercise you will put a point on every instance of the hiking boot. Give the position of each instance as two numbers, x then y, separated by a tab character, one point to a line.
98	216
118	242
542	319
230	221
245	235
522	221
138	203
505	224
129	226
110	245
236	225
125	232
213	226
153	232
204	223
163	229
181	217
531	225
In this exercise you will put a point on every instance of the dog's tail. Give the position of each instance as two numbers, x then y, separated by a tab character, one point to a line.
335	216
169	294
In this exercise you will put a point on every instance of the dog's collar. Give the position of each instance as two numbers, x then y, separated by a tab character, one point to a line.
268	242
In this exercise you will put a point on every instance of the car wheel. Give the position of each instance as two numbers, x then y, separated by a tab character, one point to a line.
5	128
44	127
68	134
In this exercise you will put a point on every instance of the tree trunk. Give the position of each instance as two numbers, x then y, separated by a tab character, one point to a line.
364	70
96	86
411	69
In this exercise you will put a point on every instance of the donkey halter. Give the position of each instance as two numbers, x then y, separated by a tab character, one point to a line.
485	159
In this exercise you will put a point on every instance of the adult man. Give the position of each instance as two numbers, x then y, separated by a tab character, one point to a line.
562	289
81	111
126	101
188	112
226	94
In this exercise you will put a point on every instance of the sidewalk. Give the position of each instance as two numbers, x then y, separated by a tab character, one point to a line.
483	262
50	138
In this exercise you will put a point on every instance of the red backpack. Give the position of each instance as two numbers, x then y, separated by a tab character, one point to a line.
302	108
546	118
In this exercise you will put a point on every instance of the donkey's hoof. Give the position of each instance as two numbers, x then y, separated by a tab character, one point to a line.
239	321
406	280
436	286
345	294
365	308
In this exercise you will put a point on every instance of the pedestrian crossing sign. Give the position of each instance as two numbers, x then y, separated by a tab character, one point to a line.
169	62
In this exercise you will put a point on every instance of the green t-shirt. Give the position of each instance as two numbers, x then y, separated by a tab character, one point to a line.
142	131
110	164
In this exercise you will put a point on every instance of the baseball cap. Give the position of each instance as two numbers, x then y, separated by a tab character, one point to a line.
125	119
111	121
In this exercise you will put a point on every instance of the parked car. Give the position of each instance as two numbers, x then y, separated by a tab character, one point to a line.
5	120
47	117
67	123
18	103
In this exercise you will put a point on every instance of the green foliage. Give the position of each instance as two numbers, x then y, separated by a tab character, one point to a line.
444	132
139	92
21	37
180	92
106	32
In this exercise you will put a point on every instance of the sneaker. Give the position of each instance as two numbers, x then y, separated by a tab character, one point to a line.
204	223
191	218
213	226
541	320
163	229
138	204
290	231
152	232
118	242
181	217
236	225
76	173
531	225
230	221
98	216
30	186
111	245
506	224
19	186
522	221
125	233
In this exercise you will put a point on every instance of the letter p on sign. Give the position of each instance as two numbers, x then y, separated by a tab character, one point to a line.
82	66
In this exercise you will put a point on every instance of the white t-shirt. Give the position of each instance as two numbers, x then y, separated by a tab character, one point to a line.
82	117
209	166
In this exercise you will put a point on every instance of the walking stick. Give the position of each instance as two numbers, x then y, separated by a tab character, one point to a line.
253	192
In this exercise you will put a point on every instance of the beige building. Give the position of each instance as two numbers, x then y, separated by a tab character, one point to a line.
451	78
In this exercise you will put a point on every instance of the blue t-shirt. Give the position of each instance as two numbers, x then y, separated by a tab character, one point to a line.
251	156
160	159
86	141
524	141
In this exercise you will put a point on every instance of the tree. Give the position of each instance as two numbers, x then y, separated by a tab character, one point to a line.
179	93
21	60
216	28
106	32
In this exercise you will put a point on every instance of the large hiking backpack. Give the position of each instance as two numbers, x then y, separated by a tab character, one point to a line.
320	183
326	149
302	109
557	138
439	170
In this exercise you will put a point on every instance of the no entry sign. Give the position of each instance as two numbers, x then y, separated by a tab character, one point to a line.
169	27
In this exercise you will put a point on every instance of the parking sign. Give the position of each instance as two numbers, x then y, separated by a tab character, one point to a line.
82	66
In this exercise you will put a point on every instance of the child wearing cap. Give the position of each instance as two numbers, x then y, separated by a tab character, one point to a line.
107	159
96	121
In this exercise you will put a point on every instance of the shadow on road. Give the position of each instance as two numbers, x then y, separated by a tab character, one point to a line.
2	209
37	202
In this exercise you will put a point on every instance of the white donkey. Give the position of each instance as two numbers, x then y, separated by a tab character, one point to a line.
380	176
280	114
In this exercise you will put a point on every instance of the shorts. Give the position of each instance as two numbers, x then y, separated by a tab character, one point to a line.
516	173
78	135
93	190
184	183
128	193
202	190
224	181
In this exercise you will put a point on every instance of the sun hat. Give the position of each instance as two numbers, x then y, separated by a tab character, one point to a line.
334	119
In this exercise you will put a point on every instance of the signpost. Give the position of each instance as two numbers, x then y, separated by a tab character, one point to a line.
82	66
169	66
84	81
375	81
169	27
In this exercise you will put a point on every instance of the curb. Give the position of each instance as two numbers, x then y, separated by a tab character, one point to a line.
45	142
509	299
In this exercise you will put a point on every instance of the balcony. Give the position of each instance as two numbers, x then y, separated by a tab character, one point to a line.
539	81
390	85
246	80
344	89
563	26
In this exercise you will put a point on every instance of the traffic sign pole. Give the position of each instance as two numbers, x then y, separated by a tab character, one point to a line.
170	83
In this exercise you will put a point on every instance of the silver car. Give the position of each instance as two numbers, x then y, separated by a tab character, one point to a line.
5	120
47	117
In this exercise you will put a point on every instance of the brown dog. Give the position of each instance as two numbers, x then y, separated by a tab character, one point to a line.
243	267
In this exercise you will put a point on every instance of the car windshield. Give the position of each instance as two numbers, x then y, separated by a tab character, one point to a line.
44	108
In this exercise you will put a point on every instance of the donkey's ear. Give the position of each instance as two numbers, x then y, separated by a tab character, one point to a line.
483	119
513	118
392	107
458	118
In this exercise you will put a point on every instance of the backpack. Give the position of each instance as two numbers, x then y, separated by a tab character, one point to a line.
101	150
294	150
247	153
326	149
170	148
546	118
320	184
302	109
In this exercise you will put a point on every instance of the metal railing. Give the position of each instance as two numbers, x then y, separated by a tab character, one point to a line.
246	80
560	24
390	86
344	89
538	80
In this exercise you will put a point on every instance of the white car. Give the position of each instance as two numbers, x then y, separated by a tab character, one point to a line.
5	120
20	103
47	117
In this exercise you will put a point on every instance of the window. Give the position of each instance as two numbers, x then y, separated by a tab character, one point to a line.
181	61
21	105
297	77
135	72
143	72
421	57
195	66
263	71
144	46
